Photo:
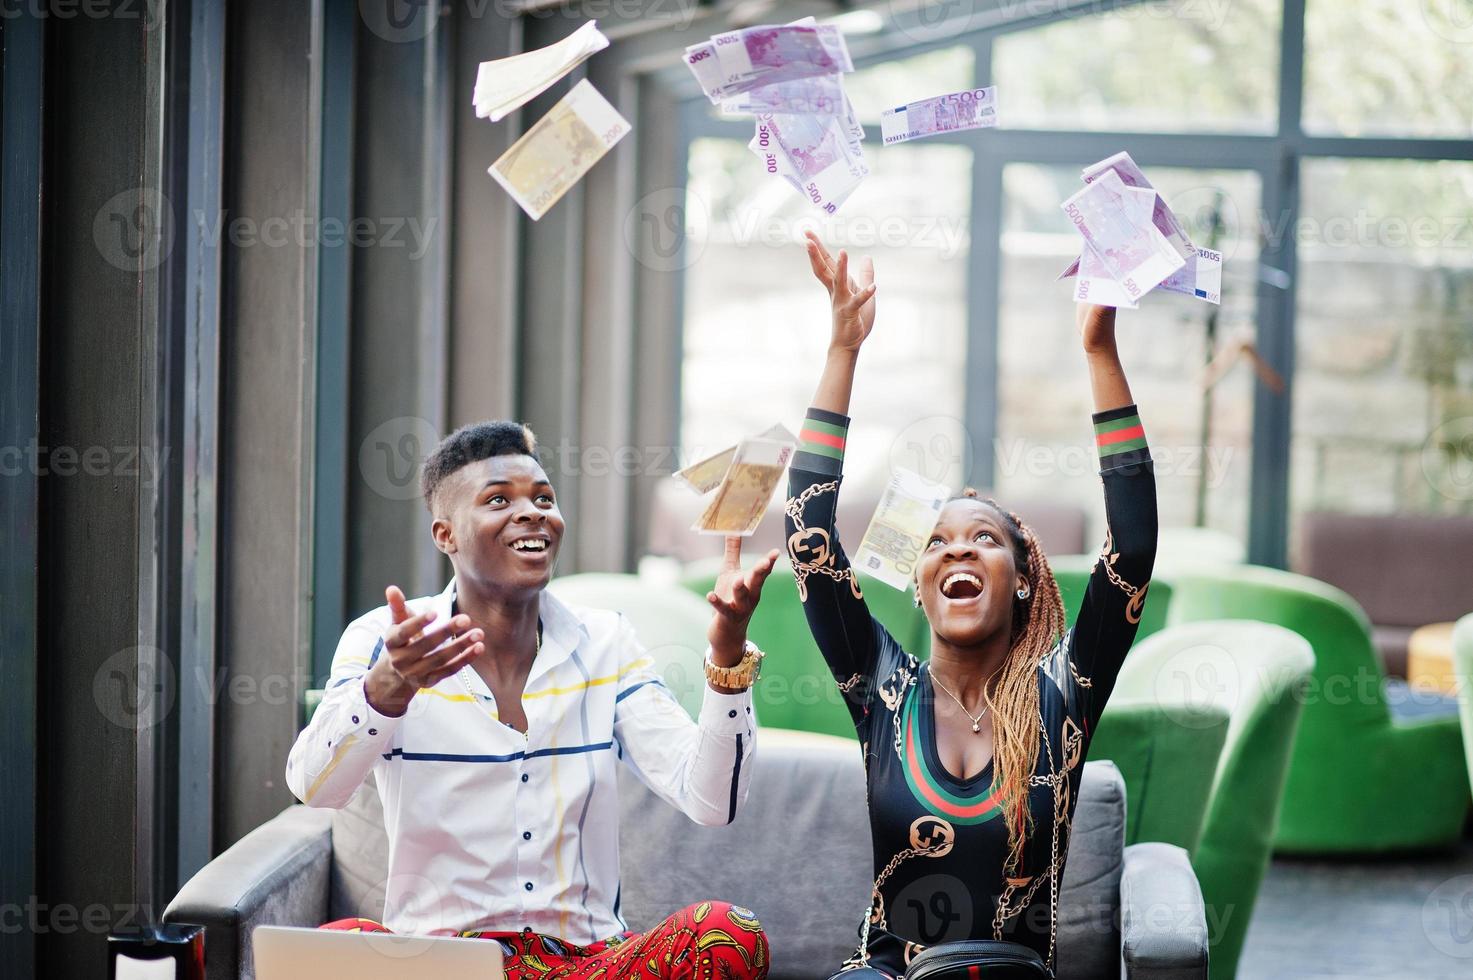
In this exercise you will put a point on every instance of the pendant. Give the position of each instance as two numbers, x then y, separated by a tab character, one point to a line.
976	726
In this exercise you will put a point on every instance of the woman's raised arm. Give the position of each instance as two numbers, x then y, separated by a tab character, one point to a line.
853	303
849	638
1116	593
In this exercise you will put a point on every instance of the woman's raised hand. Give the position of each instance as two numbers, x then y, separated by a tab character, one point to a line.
853	300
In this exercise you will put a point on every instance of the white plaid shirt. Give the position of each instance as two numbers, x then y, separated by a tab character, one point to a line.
490	829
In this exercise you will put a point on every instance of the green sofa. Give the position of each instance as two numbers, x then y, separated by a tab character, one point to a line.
1258	674
1361	780
1463	672
1166	750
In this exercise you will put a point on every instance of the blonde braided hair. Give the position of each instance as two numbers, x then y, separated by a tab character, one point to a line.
1038	623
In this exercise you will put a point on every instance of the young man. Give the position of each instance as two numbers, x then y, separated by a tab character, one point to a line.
493	717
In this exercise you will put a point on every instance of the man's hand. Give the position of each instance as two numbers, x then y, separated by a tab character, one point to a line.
1096	328
853	300
415	656
735	599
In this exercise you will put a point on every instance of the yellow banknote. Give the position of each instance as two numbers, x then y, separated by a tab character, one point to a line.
559	149
898	532
747	487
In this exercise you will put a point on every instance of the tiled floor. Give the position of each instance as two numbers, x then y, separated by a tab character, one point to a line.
1410	918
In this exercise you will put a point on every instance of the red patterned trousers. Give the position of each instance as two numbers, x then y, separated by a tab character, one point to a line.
709	941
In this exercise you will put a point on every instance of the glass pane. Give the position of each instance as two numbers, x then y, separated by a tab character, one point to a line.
1044	450
1416	79
757	322
1383	384
905	80
1149	67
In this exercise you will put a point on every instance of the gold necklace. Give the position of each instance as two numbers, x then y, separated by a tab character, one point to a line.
475	698
977	719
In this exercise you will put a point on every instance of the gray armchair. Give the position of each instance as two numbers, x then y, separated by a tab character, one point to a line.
798	855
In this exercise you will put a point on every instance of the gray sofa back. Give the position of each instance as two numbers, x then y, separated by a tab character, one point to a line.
798	855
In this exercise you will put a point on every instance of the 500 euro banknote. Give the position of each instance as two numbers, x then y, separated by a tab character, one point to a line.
971	109
737	61
1109	217
813	153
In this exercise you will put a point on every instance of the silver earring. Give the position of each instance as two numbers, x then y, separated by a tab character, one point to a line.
1022	593
916	598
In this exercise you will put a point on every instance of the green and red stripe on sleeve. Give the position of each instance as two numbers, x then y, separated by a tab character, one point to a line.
1120	437
821	441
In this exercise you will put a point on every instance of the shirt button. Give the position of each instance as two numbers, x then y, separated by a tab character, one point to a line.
355	719
525	777
373	731
526	835
528	886
731	713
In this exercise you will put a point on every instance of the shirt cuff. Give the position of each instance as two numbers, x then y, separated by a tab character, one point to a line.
726	714
821	442
367	723
1120	438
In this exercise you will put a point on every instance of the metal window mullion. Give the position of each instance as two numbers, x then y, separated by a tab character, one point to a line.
334	356
202	160
1268	515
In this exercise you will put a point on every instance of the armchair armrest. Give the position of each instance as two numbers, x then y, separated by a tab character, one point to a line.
1163	924
275	875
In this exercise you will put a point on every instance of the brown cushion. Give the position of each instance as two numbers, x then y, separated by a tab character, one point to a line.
1404	569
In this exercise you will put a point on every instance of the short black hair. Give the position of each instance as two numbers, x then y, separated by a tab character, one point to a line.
472	443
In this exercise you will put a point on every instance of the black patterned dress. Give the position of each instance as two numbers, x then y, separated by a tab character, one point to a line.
940	842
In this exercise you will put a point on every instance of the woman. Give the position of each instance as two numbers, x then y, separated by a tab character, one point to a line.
973	758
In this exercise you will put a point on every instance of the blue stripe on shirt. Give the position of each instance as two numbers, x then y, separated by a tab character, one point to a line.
512	757
628	691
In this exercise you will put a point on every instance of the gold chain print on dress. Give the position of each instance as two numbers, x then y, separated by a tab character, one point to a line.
1108	557
809	548
930	836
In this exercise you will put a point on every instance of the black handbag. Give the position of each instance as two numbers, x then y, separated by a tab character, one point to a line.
977	959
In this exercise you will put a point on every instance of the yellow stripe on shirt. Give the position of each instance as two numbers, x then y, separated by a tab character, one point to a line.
548	692
337	757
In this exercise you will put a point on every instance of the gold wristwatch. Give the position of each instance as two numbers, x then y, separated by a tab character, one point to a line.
739	677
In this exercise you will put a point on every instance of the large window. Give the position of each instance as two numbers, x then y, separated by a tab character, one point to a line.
1200	437
1378	415
1147	67
1383	404
1389	68
757	322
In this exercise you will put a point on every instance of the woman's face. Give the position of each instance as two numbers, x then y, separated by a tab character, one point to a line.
967	577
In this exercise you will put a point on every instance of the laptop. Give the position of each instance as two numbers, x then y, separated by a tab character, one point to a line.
319	954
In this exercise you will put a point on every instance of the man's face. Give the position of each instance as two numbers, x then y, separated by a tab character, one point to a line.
499	521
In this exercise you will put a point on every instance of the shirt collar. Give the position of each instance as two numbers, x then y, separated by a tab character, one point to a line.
562	629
